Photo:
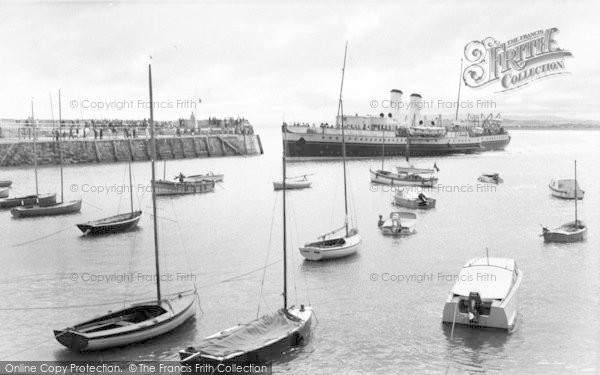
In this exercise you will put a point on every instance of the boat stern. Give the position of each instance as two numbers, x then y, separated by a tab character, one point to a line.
71	340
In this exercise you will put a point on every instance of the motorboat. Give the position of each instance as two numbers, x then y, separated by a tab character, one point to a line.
565	189
410	199
210	176
490	178
485	294
402	178
399	223
164	187
299	182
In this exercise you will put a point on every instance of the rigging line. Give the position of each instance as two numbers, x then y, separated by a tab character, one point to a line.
262	282
292	219
89	204
127	288
121	195
303	276
142	299
41	238
185	250
29	308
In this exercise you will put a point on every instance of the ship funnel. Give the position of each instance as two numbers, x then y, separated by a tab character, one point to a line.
396	104
414	110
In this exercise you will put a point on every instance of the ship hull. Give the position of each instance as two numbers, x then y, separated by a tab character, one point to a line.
361	144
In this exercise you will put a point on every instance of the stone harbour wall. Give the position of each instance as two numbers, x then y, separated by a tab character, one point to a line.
82	151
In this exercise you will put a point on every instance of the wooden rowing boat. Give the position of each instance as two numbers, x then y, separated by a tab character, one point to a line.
110	225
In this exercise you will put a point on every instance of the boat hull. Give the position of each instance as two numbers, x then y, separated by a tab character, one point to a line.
114	224
182	188
291	185
64	208
5	183
4	192
307	144
562	235
79	341
261	355
415	204
393	179
502	312
351	246
566	194
28	200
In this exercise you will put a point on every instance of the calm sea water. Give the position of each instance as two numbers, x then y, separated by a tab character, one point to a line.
221	241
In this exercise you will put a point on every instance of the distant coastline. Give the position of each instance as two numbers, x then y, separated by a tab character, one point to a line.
551	123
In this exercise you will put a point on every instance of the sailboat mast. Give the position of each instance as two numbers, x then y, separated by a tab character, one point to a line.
60	158
34	150
284	231
382	145
459	85
130	186
154	185
576	188
341	114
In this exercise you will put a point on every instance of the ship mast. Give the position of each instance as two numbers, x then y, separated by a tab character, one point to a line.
284	230
60	156
155	221
34	151
576	188
341	115
459	85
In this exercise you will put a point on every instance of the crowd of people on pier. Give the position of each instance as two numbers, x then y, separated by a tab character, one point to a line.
115	128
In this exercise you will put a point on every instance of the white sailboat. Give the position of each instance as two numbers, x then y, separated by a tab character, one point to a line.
333	244
139	321
262	339
573	231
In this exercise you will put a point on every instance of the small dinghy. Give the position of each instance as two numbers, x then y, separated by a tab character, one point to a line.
574	231
62	208
42	200
4	192
485	294
181	188
138	322
490	178
399	223
210	176
113	224
566	189
5	183
409	199
402	178
298	182
569	232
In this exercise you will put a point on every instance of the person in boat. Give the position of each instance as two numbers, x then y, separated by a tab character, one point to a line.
423	199
180	177
381	221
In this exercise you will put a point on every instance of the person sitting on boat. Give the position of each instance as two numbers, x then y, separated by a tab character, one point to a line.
381	221
423	199
180	177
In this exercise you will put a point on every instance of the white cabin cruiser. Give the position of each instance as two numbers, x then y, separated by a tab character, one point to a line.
565	189
485	294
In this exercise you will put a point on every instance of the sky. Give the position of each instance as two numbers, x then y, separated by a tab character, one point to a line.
270	61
